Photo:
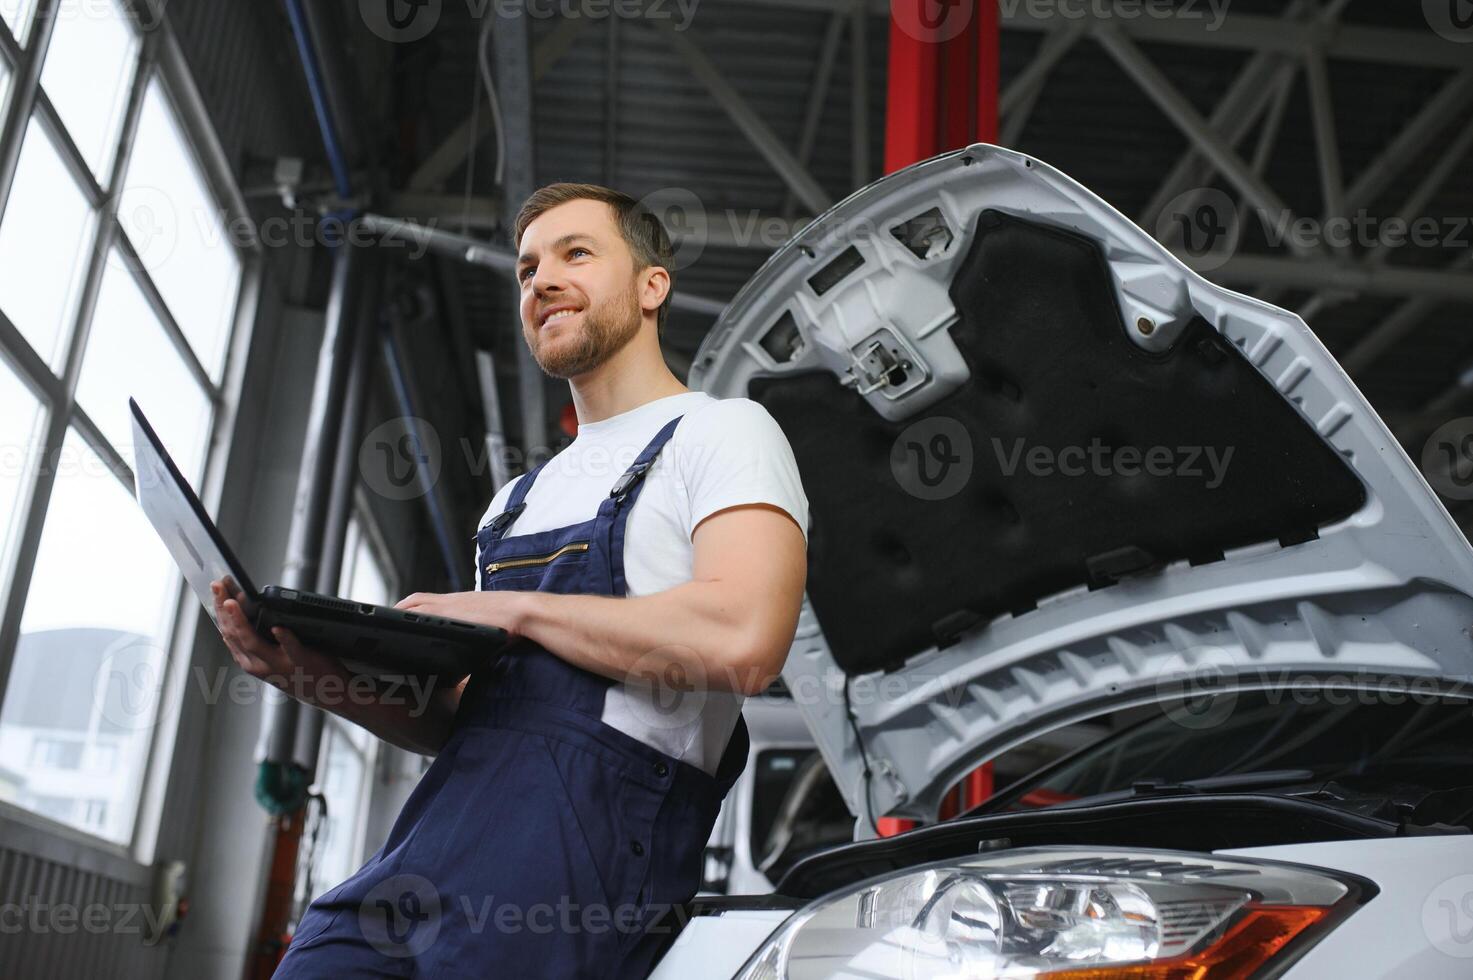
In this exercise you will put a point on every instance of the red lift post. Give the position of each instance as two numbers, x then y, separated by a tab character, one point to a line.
942	94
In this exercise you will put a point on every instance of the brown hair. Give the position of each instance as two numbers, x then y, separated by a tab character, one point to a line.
641	230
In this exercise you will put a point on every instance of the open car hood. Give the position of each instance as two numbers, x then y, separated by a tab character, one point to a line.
963	355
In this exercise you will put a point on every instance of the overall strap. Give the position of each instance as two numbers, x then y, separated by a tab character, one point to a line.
613	513
515	504
629	483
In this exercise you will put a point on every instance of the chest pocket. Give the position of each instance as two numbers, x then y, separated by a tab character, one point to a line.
548	570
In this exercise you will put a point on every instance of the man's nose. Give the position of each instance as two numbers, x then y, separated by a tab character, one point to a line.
546	280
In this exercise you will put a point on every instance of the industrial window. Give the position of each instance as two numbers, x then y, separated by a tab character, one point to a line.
120	280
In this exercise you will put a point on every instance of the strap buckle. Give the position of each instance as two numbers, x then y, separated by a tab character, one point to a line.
501	520
631	476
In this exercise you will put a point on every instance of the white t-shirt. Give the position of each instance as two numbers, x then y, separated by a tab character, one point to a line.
724	453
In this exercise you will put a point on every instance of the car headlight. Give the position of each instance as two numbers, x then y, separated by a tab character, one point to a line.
1058	913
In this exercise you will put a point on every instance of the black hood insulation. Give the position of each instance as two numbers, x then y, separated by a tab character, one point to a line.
1051	366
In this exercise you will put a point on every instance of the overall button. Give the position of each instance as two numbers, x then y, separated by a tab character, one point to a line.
637	848
661	769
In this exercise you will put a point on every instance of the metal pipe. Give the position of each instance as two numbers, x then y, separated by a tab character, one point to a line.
474	251
309	510
317	88
404	395
310	721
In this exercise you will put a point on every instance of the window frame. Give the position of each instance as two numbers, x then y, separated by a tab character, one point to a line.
159	59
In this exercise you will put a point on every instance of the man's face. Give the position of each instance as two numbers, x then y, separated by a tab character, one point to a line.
580	304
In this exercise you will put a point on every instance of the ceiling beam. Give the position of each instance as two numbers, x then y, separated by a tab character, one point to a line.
1325	274
452	151
1181	112
818	94
752	125
1195	25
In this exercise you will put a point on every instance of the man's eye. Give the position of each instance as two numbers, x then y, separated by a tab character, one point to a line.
522	276
577	250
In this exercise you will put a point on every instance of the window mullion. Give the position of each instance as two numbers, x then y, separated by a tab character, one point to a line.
150	290
25	84
60	411
107	226
76	164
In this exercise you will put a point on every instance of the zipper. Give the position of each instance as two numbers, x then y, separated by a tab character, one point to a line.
575	546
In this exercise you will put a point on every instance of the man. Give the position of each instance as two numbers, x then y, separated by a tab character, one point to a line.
652	573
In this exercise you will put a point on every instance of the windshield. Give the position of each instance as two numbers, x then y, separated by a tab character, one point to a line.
1422	747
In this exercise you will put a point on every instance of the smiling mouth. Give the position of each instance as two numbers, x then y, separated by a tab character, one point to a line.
558	315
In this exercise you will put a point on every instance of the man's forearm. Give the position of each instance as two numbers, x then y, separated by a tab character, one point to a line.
414	714
691	634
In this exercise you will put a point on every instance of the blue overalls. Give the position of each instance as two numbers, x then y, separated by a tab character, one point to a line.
541	842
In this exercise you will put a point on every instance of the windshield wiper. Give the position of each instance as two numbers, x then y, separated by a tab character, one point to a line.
1186	787
1230	781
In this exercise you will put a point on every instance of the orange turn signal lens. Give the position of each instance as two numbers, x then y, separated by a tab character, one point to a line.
1257	937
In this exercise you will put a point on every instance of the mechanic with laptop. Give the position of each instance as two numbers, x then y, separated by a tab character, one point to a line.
651	574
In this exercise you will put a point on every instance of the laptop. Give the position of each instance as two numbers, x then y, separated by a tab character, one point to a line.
367	639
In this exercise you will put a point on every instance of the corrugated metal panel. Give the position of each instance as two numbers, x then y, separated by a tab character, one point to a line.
74	923
242	58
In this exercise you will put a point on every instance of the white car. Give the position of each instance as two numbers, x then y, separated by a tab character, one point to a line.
1056	475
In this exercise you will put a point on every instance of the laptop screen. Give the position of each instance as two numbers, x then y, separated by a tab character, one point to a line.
180	520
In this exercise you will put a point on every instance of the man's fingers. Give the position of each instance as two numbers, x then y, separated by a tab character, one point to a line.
244	635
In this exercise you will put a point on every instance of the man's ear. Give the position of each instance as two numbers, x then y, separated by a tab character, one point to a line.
654	286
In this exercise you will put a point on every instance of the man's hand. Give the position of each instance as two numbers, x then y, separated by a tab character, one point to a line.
276	663
500	609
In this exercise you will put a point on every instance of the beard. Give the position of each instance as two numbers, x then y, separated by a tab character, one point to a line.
607	327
